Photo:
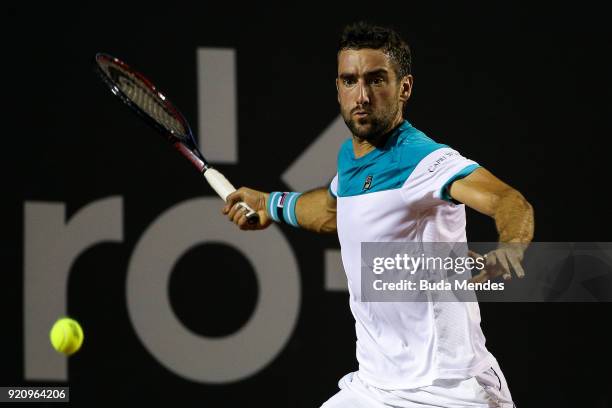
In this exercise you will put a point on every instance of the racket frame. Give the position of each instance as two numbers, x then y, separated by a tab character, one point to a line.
185	143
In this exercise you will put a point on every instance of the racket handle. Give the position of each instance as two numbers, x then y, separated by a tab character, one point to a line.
223	188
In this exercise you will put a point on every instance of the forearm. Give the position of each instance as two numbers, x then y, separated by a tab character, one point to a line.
316	211
514	218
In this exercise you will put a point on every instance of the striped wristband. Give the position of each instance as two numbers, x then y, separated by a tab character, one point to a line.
281	207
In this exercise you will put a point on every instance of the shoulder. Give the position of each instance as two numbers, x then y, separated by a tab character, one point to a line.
414	145
346	147
345	154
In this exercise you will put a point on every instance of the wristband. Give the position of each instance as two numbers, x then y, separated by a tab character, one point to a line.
281	207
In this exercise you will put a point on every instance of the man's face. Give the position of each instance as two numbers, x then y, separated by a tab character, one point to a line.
370	94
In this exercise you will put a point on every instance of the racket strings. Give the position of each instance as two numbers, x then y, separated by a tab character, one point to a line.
147	99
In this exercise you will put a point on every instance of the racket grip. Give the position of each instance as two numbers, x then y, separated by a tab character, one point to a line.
223	188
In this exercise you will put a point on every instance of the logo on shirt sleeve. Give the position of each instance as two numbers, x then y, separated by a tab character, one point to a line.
368	183
440	160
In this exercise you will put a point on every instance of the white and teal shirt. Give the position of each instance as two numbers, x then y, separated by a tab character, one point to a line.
398	193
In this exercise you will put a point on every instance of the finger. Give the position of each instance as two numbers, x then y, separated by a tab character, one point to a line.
491	259
233	198
243	223
506	274
238	213
481	277
493	265
244	206
253	218
233	212
516	265
263	219
473	254
230	214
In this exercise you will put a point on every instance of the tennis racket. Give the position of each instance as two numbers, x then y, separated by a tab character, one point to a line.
144	98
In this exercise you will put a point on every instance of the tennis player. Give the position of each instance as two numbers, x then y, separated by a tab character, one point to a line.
395	184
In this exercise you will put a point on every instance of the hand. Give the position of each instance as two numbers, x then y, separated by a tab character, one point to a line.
501	261
254	199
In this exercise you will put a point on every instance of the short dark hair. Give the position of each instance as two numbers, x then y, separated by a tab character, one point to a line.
361	35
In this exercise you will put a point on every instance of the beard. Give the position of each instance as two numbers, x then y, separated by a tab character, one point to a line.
373	126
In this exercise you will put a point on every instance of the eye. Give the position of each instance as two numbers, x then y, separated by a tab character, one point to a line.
348	81
377	80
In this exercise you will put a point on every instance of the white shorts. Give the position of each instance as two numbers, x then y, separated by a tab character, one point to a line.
488	389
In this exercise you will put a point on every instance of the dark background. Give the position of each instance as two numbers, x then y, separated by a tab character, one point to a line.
524	91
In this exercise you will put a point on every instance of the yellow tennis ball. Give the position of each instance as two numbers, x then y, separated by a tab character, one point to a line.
66	336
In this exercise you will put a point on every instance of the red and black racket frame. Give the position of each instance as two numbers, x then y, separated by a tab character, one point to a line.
185	144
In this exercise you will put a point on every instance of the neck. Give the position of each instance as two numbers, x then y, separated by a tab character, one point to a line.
361	147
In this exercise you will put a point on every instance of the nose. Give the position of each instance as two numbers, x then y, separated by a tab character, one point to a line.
363	97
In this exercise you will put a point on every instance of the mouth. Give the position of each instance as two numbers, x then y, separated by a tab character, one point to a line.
360	114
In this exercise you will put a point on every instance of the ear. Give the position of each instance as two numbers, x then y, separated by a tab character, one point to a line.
406	88
337	91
